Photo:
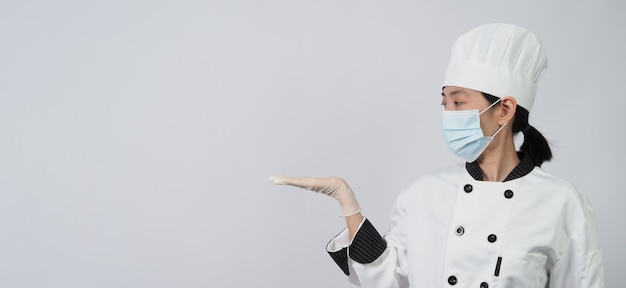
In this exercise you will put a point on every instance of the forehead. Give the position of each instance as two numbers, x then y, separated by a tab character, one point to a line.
449	91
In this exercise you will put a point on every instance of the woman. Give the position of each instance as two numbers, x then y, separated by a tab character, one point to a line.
497	221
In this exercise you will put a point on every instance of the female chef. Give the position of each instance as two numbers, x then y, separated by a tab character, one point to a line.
497	221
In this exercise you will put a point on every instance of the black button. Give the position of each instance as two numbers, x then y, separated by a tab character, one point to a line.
452	280
508	194
484	285
468	188
492	238
460	230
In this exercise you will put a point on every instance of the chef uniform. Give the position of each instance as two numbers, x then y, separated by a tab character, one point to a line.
451	229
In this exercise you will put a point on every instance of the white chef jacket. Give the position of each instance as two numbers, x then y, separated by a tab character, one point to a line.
450	230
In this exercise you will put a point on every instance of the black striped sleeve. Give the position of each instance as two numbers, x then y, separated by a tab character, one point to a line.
341	258
367	244
366	247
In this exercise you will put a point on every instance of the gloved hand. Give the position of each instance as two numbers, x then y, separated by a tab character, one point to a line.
332	186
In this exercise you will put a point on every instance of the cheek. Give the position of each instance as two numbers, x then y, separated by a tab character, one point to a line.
488	124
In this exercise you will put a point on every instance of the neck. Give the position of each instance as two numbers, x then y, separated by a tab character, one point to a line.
499	159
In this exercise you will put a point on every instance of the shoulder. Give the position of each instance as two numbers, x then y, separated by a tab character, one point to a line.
560	191
552	184
574	218
542	177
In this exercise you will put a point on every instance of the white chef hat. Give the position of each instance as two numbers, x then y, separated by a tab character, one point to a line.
498	59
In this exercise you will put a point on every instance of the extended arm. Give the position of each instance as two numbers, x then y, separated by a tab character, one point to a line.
334	187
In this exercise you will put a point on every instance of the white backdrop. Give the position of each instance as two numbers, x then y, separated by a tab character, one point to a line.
137	136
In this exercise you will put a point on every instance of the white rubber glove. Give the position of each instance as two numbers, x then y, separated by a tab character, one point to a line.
332	186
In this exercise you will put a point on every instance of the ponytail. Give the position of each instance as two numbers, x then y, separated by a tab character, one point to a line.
535	145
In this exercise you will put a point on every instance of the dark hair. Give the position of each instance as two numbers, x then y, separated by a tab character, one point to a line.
535	145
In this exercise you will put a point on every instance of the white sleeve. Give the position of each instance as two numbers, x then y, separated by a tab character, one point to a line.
370	260
581	263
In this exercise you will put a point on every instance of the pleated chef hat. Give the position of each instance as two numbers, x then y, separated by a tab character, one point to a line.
498	59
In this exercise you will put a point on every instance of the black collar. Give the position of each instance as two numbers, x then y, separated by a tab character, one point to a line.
524	167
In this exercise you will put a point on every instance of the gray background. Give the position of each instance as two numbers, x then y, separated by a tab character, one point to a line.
137	136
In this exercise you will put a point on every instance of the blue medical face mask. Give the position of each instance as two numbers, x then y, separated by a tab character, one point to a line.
461	130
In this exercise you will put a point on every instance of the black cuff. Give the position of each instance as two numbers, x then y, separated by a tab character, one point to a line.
367	245
341	258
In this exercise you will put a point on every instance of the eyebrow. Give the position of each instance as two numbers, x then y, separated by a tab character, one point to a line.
458	91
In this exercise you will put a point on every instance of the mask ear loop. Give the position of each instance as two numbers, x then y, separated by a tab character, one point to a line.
494	134
492	104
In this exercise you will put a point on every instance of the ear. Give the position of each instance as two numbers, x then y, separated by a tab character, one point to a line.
508	106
